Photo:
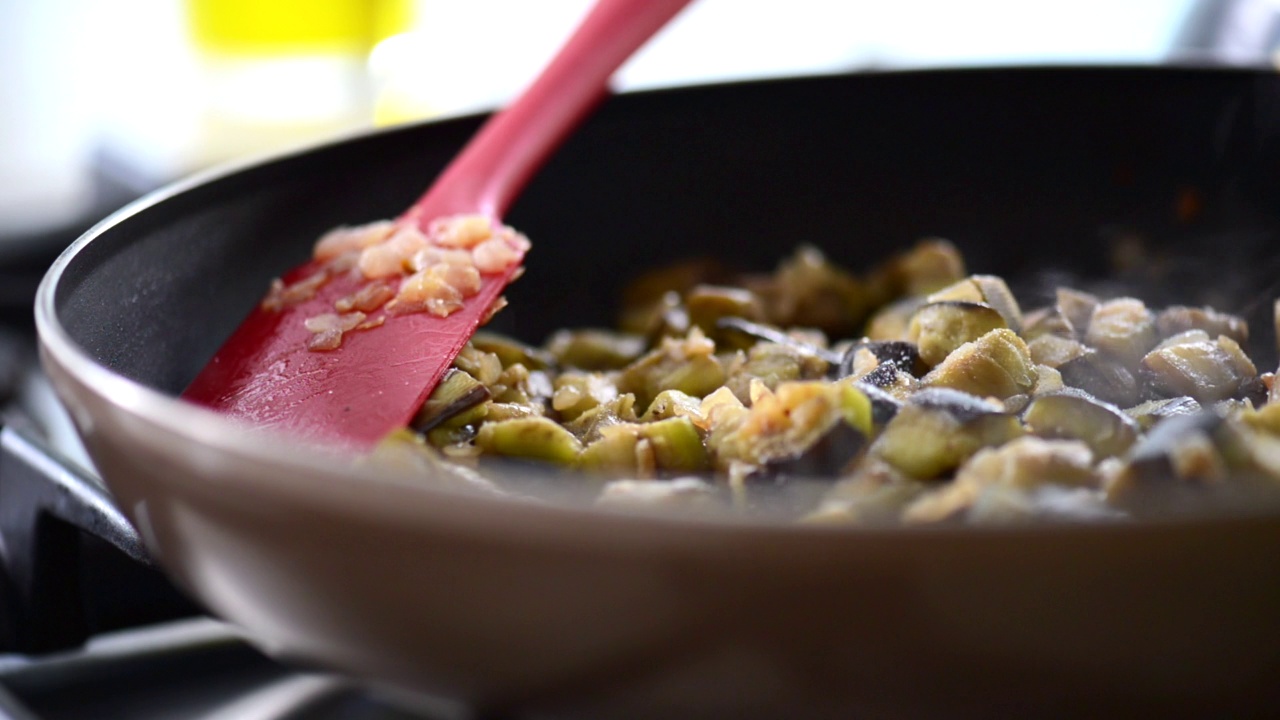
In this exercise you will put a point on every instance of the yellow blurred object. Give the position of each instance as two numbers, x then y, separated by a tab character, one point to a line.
276	74
272	27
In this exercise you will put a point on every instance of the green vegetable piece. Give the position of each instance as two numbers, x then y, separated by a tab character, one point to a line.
706	304
855	406
700	376
511	352
613	453
672	403
927	439
677	446
535	438
595	349
458	400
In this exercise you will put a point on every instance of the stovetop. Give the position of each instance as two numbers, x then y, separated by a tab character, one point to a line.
191	669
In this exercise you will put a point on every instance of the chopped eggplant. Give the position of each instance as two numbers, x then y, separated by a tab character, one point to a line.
929	266
1153	411
773	335
892	321
938	328
1075	415
510	352
938	429
897	354
1102	377
988	290
1171	467
1207	371
458	399
707	305
595	349
1123	328
1180	318
1055	351
997	364
874	495
534	438
1077	307
1023	464
1047	321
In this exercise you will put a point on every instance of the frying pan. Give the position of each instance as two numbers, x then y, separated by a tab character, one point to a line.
538	607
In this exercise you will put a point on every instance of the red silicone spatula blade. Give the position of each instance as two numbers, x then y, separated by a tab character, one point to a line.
377	379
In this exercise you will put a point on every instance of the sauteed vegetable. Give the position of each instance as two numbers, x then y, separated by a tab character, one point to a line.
916	394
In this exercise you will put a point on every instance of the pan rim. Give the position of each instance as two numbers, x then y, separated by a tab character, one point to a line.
237	440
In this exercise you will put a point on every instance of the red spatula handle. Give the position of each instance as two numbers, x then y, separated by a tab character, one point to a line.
499	160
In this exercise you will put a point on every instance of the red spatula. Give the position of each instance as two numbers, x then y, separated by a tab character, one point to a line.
383	370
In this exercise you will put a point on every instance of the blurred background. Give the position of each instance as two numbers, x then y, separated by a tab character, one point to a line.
100	102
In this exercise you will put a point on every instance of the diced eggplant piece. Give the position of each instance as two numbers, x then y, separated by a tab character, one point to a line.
1182	338
673	403
405	450
1102	377
884	376
588	426
874	495
883	405
1046	321
1153	411
686	364
824	458
613	452
458	400
897	354
938	328
808	291
1077	307
759	331
665	316
1208	371
988	290
773	364
511	352
595	349
1023	464
891	321
1171	467
577	392
784	424
938	429
1180	318
707	304
1048	380
677	445
930	265
1123	328
1055	351
533	438
1075	415
997	364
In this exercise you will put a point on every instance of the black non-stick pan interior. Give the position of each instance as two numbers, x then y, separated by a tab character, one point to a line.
1033	173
